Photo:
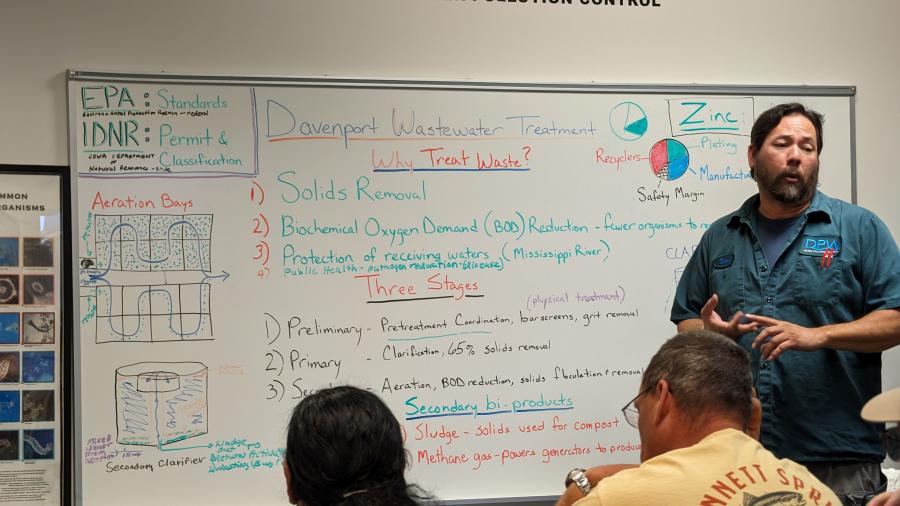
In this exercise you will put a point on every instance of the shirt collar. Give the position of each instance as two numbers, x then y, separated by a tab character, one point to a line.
819	208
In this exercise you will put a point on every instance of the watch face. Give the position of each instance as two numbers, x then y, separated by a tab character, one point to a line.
580	479
573	475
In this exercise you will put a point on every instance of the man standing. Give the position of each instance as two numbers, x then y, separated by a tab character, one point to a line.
813	282
695	413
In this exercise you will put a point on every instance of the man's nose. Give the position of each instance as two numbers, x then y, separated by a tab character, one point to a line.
794	154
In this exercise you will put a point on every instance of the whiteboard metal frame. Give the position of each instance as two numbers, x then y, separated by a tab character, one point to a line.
361	82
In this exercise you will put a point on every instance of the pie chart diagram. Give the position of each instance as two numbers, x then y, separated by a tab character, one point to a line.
669	159
628	121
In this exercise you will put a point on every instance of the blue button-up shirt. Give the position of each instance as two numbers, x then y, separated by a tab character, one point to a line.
841	263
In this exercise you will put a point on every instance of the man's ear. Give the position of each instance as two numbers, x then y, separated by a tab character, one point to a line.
751	159
753	425
665	404
287	480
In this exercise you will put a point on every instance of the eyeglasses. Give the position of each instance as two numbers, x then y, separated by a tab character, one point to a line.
630	411
892	442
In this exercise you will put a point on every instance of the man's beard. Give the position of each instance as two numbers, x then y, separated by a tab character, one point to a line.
789	193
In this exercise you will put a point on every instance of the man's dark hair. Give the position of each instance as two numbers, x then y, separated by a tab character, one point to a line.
345	447
768	120
707	373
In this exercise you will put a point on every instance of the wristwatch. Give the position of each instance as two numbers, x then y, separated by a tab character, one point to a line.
580	479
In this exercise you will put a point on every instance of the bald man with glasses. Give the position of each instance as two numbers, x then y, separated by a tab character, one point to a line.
698	421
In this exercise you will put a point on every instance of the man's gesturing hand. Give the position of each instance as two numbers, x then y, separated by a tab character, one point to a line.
779	336
732	328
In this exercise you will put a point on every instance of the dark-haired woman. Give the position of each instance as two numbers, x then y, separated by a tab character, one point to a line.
344	447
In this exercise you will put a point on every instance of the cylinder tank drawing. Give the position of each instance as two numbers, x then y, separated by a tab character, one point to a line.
158	403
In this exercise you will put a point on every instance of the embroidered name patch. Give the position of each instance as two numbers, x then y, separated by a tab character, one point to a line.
723	261
819	246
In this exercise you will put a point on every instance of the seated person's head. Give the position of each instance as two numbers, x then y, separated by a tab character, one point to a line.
885	407
697	383
344	446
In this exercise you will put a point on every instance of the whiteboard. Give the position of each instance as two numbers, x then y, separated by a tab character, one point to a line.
496	260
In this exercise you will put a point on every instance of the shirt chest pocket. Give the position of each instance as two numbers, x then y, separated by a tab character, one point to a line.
727	280
816	280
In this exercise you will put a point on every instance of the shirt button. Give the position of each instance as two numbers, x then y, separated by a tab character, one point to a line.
769	300
765	365
764	268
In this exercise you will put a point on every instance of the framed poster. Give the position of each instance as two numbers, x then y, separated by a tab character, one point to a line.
35	335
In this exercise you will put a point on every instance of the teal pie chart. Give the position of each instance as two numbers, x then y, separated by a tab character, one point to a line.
628	121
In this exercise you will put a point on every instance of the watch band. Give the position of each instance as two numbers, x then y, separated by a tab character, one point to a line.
580	479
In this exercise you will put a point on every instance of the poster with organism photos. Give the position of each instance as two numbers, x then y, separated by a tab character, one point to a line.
31	336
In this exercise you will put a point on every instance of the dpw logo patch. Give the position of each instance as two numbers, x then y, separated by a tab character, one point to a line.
820	246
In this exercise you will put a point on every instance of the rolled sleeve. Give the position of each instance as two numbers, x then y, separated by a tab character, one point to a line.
880	265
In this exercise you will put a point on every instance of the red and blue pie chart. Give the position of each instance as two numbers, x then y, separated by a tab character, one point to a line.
669	159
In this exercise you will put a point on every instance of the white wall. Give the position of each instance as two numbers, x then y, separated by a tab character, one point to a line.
816	42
